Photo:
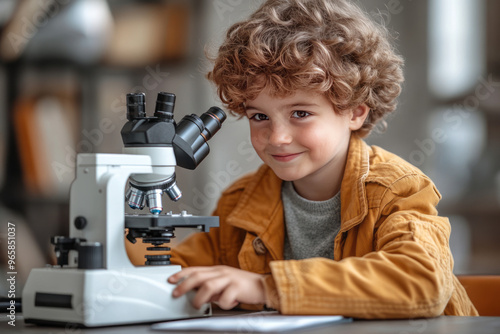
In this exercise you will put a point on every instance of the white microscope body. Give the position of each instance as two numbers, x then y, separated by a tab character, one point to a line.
95	283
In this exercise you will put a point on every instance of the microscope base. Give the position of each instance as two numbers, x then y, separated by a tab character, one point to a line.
102	297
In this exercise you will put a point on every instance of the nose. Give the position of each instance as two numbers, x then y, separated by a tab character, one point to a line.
279	134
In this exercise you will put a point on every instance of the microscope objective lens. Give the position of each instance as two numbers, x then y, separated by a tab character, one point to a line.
174	192
127	195
136	198
153	200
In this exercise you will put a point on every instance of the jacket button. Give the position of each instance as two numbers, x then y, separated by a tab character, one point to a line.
258	246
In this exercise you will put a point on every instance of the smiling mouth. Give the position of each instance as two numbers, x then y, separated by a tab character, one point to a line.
285	157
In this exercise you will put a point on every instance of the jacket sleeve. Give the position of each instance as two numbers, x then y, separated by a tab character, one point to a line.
198	249
408	274
205	248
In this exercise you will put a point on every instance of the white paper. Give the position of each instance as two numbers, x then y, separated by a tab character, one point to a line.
252	322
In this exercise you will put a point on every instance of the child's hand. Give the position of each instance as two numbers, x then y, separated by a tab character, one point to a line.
224	285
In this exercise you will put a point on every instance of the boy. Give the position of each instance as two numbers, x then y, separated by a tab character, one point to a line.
328	225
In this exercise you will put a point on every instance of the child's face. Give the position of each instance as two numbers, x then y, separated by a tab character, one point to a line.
299	136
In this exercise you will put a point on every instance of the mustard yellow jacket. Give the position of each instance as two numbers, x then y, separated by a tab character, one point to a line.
392	258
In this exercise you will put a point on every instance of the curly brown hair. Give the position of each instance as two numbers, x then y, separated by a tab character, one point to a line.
328	46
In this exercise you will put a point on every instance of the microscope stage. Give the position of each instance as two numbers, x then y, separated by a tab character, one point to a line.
144	221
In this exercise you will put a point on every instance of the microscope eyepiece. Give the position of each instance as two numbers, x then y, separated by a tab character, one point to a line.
212	120
136	106
165	103
192	135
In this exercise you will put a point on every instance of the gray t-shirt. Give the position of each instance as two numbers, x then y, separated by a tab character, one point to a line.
310	226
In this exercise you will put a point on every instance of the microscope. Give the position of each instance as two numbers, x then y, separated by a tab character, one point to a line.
94	283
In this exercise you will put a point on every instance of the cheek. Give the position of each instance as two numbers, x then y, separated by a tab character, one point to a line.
314	138
259	136
321	142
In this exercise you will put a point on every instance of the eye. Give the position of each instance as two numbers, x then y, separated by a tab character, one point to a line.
300	114
259	117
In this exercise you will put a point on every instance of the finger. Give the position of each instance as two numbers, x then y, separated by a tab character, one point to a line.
178	276
214	298
229	298
194	280
210	290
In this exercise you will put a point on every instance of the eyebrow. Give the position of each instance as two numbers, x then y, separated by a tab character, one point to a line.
286	106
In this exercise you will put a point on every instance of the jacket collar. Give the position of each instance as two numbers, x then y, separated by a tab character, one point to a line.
260	210
354	204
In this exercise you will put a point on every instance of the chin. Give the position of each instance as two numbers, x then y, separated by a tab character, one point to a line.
287	176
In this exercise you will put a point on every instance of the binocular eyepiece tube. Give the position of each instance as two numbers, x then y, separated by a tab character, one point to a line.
187	140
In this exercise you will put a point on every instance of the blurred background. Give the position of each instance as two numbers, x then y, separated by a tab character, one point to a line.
66	66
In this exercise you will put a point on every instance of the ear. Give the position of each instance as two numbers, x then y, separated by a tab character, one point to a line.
358	117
